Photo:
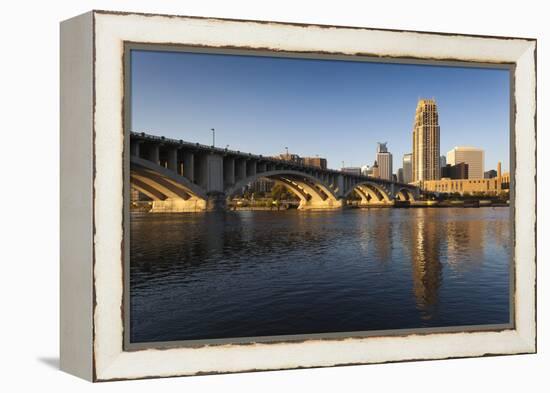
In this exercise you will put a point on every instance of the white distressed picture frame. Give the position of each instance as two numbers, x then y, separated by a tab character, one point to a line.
92	204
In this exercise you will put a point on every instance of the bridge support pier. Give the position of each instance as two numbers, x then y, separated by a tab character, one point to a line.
216	202
173	160
189	166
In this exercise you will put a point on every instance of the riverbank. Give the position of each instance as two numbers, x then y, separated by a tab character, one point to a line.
468	203
462	203
433	204
259	208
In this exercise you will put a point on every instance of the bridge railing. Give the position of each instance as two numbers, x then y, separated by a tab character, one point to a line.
182	143
274	160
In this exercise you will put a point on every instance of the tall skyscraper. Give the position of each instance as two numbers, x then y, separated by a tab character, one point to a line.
426	160
382	147
407	168
385	161
472	156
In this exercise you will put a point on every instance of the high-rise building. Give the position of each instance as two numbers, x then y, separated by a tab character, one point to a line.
442	164
472	156
426	160
385	161
400	175
407	168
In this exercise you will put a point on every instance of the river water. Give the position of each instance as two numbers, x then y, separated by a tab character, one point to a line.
255	273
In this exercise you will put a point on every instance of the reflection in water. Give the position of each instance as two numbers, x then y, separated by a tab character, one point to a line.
426	265
244	274
465	238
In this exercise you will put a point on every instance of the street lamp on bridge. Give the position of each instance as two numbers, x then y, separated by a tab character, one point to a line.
213	136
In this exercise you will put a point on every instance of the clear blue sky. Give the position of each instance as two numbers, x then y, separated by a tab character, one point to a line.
334	109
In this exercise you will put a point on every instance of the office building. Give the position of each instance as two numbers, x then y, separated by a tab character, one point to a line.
400	175
316	162
310	161
458	171
375	170
407	168
467	186
425	159
354	170
472	156
385	161
493	186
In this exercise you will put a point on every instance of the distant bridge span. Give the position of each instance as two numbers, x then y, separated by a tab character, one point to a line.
180	176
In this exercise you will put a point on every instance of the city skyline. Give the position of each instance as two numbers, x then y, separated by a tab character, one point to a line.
331	109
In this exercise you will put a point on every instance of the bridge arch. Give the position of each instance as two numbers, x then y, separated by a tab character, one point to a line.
370	193
168	191
404	194
312	191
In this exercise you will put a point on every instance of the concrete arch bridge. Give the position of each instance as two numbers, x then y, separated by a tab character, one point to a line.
180	176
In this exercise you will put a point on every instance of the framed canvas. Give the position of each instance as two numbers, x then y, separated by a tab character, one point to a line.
244	195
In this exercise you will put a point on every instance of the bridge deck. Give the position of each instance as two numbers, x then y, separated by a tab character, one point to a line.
181	144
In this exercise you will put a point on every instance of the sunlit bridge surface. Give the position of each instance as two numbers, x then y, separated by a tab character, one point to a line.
251	273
